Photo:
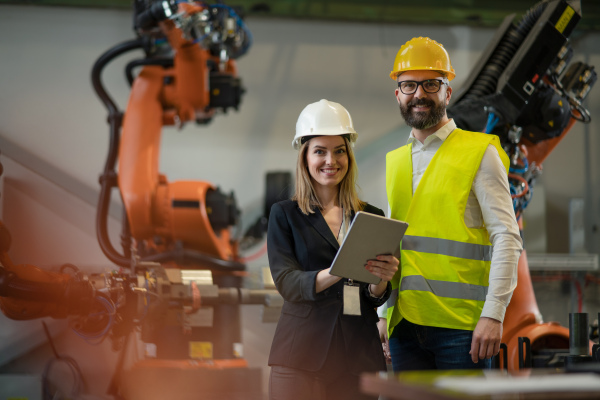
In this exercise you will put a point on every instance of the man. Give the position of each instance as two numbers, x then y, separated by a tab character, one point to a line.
460	253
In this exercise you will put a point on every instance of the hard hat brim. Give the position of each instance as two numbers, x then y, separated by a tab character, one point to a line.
448	74
297	142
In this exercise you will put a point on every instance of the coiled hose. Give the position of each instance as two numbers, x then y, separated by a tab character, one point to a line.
487	80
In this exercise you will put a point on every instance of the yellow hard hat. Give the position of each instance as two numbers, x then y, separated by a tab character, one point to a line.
422	53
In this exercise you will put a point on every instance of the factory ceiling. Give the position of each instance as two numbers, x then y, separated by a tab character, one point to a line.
488	13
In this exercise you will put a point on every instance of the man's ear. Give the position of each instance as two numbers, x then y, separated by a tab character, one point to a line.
448	94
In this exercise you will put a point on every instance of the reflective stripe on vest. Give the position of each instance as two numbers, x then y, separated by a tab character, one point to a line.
393	297
470	251
455	290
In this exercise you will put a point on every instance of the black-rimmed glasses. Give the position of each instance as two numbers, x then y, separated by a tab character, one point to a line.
429	86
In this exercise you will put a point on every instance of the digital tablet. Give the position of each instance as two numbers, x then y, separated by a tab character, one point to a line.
369	235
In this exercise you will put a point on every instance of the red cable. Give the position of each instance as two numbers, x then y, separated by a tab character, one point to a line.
256	255
579	296
564	277
524	181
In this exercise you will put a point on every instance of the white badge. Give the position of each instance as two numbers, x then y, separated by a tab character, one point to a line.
351	299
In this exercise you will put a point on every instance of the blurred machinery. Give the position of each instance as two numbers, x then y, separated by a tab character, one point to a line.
180	275
525	89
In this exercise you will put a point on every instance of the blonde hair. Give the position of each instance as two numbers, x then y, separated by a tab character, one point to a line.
305	192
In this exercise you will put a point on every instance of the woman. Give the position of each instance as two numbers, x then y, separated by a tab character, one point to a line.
318	351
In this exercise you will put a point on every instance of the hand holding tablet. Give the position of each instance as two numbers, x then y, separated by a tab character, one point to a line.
369	235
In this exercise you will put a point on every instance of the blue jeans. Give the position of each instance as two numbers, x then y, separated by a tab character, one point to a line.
416	347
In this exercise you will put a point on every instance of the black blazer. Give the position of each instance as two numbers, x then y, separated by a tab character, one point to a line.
299	246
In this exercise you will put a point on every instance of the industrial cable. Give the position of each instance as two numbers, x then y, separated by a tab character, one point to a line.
491	123
162	62
519	198
523	181
71	266
259	253
587	279
70	362
582	115
522	170
487	80
108	179
578	111
113	387
102	61
108	312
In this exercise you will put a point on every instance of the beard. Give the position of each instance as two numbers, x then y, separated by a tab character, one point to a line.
424	119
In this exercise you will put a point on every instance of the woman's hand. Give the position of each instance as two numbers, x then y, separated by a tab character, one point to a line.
384	267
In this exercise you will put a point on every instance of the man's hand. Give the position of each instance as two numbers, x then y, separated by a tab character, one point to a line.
384	267
486	339
383	335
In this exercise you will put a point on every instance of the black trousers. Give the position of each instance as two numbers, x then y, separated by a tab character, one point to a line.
295	384
334	381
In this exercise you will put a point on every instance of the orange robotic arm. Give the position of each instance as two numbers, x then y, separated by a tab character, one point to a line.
189	219
522	91
28	292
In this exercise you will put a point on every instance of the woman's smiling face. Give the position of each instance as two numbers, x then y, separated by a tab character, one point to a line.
327	160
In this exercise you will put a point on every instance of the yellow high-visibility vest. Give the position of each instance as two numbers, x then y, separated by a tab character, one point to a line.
445	265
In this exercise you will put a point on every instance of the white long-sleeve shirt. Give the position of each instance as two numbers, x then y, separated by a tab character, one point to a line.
490	205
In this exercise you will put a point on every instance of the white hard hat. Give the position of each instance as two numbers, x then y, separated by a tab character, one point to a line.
324	118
